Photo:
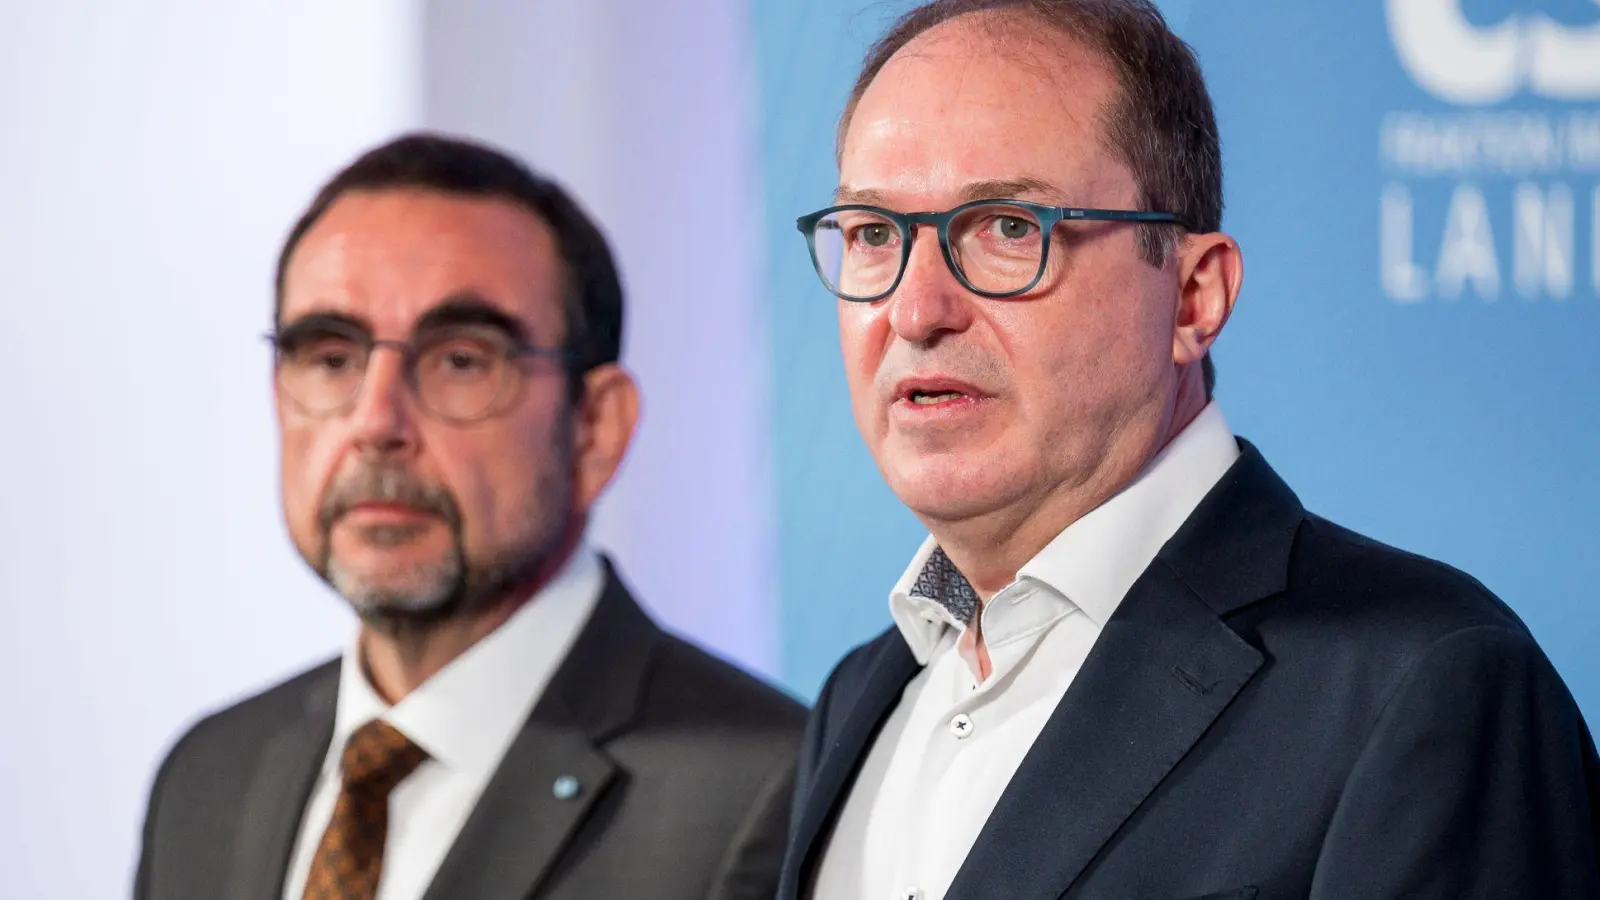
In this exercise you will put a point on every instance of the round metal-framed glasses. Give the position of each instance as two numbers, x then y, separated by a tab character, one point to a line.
460	374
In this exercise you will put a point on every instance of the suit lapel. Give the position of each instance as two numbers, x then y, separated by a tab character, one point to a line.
276	796
1162	671
523	821
519	826
893	667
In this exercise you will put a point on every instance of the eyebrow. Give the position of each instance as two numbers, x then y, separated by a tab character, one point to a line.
467	307
1010	189
865	196
1020	188
320	319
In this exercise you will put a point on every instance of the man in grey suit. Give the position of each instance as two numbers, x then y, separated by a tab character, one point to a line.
507	722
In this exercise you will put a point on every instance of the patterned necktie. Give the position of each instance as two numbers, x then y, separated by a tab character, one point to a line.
376	758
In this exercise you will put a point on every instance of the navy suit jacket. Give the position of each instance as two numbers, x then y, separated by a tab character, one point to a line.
1278	708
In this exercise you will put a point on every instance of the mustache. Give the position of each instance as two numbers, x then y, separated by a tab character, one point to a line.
386	484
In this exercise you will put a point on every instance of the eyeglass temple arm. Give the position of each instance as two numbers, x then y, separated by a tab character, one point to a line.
1119	215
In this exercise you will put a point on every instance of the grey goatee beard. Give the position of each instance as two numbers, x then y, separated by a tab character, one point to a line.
453	585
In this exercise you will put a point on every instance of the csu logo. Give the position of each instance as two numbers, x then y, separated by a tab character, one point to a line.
1466	64
1482	199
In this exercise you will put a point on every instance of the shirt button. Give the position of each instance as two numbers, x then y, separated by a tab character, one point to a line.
909	893
961	725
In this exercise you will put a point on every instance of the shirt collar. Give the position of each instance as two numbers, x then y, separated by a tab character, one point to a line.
1095	560
918	606
467	714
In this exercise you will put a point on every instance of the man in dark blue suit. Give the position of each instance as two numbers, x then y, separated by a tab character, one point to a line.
1127	663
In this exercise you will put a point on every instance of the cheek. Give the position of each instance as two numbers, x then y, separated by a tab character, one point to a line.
1093	364
498	478
1136	336
863	335
1062	353
308	457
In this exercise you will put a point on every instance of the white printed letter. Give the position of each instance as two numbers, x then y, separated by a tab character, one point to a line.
1403	279
1468	250
1541	254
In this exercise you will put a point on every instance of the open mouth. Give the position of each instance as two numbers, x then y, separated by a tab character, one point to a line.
931	398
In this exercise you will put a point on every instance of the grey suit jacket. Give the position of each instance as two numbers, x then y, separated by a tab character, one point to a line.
686	767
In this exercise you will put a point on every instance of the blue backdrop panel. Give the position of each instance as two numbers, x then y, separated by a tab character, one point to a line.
1415	187
842	537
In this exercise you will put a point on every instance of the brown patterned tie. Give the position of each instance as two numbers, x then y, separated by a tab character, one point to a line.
376	758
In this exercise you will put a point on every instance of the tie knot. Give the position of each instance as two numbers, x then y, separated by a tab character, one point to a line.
378	757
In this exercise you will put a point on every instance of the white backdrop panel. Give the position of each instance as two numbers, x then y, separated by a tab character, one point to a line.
154	154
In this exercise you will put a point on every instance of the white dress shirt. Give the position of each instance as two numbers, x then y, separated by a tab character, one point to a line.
465	717
950	747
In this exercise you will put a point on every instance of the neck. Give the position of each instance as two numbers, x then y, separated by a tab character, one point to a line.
398	656
991	548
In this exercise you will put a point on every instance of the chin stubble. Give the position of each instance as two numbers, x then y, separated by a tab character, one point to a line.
453	585
423	591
